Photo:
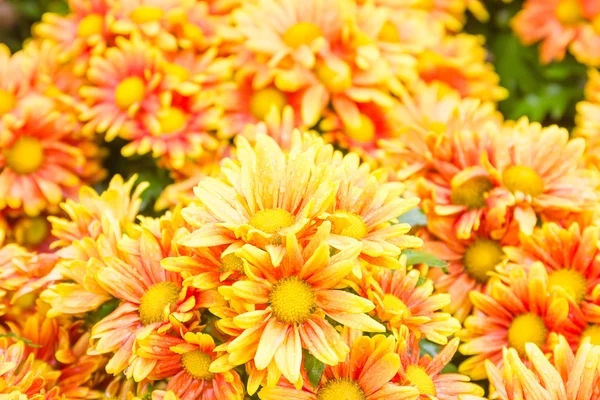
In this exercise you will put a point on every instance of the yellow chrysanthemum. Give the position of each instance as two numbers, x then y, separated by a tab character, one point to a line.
588	118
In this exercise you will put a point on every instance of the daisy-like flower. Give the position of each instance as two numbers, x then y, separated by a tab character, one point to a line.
517	309
79	35
366	374
524	164
565	376
401	302
561	25
15	80
39	166
459	63
125	82
150	297
470	260
291	302
263	196
572	259
425	373
365	209
588	120
428	115
95	224
185	362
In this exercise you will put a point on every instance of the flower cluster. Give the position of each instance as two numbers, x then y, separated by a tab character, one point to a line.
351	216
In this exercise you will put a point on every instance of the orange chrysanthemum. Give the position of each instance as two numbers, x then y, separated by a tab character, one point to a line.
424	373
588	118
561	25
566	376
40	164
185	363
524	163
517	309
400	302
15	80
366	374
289	304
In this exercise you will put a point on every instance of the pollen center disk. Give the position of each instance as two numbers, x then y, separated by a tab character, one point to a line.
145	14
349	224
293	300
471	193
593	332
364	132
172	120
7	102
302	33
25	156
481	257
419	378
264	100
527	328
573	282
519	178
569	12
272	221
231	262
338	389
30	232
155	300
130	91
93	24
197	364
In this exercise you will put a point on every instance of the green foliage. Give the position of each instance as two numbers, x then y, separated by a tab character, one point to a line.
413	217
314	368
414	257
13	335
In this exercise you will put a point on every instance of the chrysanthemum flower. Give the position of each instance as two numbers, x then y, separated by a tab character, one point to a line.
150	297
291	303
39	165
124	82
459	63
185	362
15	80
79	35
424	373
525	164
262	197
366	374
588	118
561	25
401	302
571	257
95	224
517	309
470	261
565	376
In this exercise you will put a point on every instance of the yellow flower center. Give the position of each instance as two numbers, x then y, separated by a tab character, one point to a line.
569	12
593	332
7	102
527	328
231	262
145	14
272	221
262	101
389	33
25	156
481	257
364	132
154	302
523	179
336	81
197	364
181	73
573	282
130	91
172	120
471	193
293	300
302	33
93	24
349	224
341	389
30	232
419	378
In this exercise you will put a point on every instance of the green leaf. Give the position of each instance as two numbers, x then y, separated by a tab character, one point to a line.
414	217
99	313
420	257
421	280
429	348
450	369
13	335
314	369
